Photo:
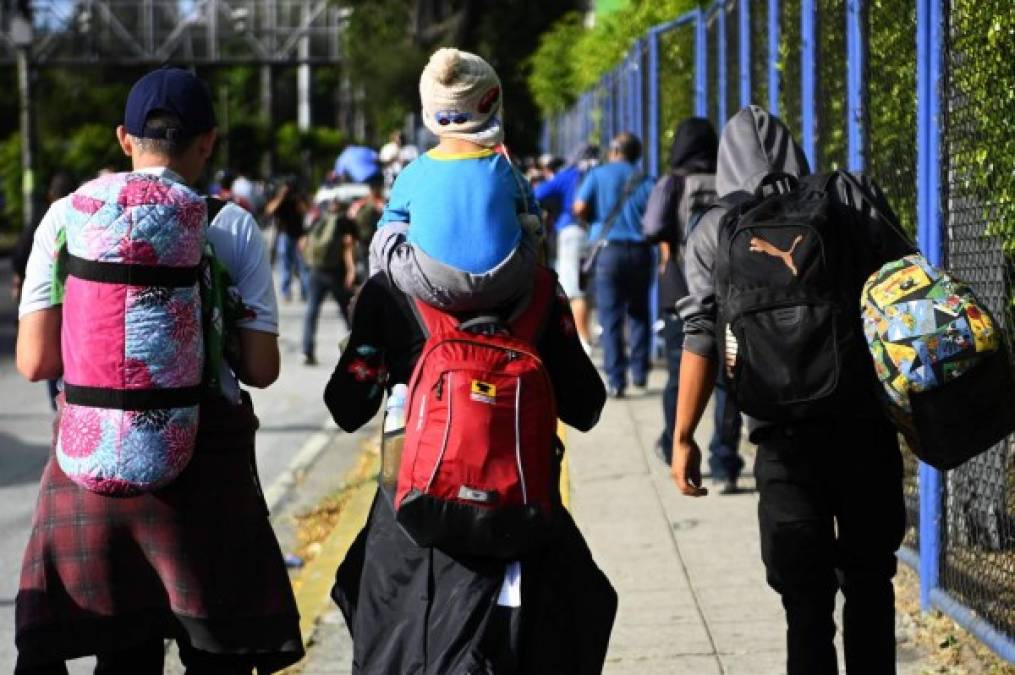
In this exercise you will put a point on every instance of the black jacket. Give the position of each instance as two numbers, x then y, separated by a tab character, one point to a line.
416	610
693	152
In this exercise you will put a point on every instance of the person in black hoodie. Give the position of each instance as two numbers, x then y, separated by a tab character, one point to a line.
677	202
415	609
830	509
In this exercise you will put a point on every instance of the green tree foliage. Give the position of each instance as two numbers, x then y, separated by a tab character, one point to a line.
981	128
310	154
506	33
570	60
831	103
10	181
676	84
891	106
551	71
385	58
383	62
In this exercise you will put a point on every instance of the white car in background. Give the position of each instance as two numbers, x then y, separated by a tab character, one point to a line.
345	193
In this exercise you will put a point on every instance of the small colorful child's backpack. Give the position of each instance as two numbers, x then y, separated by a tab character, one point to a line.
941	359
132	343
478	463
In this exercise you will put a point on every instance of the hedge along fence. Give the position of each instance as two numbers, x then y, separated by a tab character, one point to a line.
920	96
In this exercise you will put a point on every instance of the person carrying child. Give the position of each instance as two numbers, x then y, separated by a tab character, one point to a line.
462	228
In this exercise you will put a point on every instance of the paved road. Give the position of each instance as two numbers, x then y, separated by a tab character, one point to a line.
290	410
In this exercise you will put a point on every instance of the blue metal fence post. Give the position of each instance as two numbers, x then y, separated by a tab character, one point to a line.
929	238
700	64
720	63
773	56
744	42
808	79
653	102
630	87
616	103
634	90
856	67
621	80
639	91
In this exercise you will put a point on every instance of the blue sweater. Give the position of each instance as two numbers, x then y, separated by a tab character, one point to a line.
462	209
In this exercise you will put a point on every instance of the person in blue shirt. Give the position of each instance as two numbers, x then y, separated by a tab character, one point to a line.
624	265
571	235
461	229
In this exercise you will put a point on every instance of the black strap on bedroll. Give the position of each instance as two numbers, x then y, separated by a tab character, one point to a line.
141	275
589	263
131	275
132	399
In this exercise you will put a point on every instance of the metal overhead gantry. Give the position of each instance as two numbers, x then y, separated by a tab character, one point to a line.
188	32
208	33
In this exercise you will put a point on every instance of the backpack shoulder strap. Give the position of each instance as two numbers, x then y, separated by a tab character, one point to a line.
528	325
215	206
632	183
727	203
432	321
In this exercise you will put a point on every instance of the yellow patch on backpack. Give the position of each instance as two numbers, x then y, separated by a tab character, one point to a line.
483	392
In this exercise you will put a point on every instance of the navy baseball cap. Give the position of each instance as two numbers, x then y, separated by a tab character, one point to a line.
173	90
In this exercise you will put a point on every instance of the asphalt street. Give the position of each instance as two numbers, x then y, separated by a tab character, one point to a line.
290	411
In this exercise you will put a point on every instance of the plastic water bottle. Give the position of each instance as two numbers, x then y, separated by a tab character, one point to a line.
393	436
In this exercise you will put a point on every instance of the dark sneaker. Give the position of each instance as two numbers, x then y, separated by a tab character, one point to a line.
729	487
662	452
615	392
309	360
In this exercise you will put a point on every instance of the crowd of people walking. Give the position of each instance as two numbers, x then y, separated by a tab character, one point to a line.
154	306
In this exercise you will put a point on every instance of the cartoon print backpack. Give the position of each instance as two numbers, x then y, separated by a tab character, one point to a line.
132	339
942	361
788	270
478	462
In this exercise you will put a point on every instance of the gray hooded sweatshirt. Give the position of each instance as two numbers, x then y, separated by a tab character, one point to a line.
754	144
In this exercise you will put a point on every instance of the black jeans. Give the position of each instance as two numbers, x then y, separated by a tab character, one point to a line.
832	516
149	659
724	459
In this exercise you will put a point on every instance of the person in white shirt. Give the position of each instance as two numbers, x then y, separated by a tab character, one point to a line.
395	155
196	560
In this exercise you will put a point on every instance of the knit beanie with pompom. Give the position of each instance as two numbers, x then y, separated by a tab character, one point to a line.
462	98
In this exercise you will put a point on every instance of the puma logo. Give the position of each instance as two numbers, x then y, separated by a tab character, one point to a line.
759	245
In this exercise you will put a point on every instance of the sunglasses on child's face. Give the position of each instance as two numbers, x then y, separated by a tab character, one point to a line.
446	118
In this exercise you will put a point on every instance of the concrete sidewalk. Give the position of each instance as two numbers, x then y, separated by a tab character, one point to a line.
693	597
692	591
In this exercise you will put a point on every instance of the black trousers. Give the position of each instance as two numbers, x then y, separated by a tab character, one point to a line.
832	516
149	659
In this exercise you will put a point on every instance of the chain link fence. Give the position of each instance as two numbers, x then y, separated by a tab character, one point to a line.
732	54
676	84
759	52
891	121
831	85
789	65
978	144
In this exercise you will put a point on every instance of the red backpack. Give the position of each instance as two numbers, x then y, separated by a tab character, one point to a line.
478	465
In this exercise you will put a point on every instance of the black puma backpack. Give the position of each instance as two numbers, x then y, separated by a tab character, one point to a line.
788	273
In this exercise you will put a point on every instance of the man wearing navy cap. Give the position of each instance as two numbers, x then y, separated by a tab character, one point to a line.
195	561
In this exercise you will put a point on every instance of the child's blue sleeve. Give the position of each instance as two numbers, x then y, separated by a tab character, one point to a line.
397	208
